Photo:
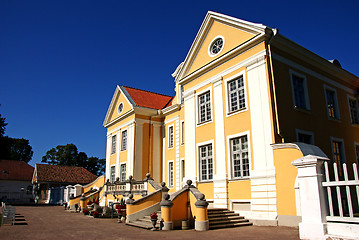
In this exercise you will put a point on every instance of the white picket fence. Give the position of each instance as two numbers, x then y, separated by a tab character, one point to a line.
344	206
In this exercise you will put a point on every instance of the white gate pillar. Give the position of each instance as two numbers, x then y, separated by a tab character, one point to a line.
312	197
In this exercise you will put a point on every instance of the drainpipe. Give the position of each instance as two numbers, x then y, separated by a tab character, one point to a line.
278	132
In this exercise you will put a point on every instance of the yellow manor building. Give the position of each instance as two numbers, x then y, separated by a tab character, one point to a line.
248	102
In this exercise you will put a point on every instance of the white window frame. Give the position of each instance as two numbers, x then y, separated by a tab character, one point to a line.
183	169
340	168
171	144
182	132
226	81
336	107
356	144
199	174
124	148
304	132
171	174
229	154
113	144
123	178
305	86
210	46
350	98
114	167
208	89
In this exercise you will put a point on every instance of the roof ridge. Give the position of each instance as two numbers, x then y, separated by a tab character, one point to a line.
148	91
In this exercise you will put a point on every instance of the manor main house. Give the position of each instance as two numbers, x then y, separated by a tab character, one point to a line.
244	93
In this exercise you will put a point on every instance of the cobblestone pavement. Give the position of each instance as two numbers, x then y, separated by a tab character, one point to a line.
53	222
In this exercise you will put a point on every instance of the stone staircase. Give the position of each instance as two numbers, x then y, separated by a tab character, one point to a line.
145	222
224	218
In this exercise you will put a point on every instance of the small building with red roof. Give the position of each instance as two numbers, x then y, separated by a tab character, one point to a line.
48	177
15	181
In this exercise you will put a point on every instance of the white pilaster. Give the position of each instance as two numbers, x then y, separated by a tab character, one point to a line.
118	140
263	173
177	167
108	154
220	179
157	141
130	150
190	136
137	171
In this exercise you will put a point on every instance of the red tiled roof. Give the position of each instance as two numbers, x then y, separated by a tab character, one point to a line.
149	99
15	170
63	174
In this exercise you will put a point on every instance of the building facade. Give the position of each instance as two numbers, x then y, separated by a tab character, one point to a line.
242	92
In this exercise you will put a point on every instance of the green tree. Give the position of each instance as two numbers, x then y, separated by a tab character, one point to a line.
68	155
13	148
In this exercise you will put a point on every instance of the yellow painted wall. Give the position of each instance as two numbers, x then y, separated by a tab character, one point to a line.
206	189
150	201
232	38
179	208
286	174
240	189
126	107
316	120
99	182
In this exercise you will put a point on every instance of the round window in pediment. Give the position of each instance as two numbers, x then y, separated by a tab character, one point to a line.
120	108
216	46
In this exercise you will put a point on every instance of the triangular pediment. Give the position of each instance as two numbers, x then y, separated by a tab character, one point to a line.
119	97
233	31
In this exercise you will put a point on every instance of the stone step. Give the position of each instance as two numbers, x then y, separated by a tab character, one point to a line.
142	224
230	225
219	212
225	218
227	221
222	215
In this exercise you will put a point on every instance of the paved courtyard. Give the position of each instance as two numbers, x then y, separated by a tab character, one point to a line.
52	222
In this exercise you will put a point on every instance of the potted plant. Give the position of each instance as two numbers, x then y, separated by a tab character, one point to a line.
96	214
154	218
86	211
76	207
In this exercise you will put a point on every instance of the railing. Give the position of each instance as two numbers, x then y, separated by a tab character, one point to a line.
343	193
131	186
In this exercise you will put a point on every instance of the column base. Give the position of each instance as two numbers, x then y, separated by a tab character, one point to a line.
167	226
201	225
312	230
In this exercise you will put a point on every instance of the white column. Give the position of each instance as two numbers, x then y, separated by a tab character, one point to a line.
312	197
137	171
108	154
130	150
220	179
177	166
263	173
118	142
190	136
156	153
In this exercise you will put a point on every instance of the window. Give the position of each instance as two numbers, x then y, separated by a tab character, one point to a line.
113	174
124	140
353	110
240	157
113	148
170	137
183	169
332	103
182	132
204	107
305	136
300	94
120	108
206	162
236	94
356	145
170	174
338	154
216	46
123	172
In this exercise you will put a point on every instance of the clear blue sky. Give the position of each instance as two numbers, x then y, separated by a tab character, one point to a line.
61	60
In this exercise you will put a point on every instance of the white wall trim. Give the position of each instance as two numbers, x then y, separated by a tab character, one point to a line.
197	159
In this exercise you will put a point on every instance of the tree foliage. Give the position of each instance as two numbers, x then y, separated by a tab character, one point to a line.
13	148
68	155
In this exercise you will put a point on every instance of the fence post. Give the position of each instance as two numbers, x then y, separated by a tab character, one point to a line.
313	203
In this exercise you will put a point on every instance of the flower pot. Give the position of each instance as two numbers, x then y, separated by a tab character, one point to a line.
154	221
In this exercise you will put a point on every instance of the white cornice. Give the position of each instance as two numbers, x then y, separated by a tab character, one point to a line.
123	116
256	29
170	109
